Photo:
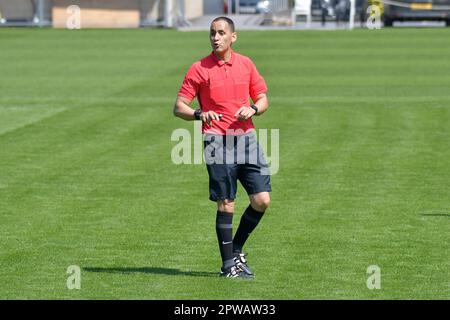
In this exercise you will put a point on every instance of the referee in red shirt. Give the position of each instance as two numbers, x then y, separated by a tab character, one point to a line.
223	82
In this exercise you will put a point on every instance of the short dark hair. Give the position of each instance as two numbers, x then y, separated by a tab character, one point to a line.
227	20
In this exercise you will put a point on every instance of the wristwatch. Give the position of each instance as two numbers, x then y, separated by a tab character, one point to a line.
197	114
254	107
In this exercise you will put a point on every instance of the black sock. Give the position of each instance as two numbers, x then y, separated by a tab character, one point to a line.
249	221
224	229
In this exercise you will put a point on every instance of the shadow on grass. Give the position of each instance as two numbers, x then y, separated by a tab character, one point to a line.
436	215
164	271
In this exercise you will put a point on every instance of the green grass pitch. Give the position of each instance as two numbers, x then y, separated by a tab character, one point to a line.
86	176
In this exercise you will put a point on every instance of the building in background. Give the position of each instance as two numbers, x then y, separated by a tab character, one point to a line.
105	13
24	12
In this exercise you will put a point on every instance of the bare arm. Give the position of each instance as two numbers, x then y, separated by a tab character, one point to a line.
182	110
262	103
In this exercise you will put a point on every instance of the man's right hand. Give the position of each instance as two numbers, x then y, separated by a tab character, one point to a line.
209	116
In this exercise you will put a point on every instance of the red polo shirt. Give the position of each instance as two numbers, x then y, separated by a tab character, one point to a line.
224	87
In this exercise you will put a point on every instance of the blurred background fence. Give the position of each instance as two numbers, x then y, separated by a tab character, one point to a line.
198	13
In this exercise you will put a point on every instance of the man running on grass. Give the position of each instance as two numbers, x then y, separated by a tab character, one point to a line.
222	83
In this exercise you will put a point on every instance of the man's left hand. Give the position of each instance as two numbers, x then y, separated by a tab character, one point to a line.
244	113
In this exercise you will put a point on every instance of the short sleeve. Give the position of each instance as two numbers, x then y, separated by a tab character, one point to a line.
191	83
257	83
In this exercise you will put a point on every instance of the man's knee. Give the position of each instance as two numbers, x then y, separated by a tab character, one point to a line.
225	205
260	201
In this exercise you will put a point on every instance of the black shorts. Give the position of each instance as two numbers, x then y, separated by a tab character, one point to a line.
232	158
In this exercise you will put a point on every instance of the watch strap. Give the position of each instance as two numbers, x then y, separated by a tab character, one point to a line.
197	114
254	107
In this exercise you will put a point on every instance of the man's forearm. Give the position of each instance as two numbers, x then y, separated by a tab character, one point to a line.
183	111
262	103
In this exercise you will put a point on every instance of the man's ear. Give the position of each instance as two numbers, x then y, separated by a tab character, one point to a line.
233	37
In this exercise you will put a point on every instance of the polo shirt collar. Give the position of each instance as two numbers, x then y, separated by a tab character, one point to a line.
221	62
